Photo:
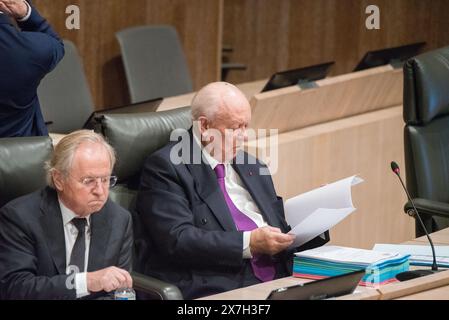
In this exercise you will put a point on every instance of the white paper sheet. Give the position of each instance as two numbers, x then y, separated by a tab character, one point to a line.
420	254
312	213
414	250
345	254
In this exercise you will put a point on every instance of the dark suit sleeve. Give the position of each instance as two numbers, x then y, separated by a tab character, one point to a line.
46	46
125	258
18	264
169	221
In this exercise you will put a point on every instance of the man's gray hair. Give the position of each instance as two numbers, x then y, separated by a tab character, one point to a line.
62	157
209	99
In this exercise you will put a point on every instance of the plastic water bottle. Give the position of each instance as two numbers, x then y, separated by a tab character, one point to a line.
125	294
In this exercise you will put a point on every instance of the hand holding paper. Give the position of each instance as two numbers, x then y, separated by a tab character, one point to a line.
269	240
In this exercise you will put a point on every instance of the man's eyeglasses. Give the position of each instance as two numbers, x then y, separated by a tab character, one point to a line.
91	182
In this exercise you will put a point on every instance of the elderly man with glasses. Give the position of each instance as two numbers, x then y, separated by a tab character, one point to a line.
68	240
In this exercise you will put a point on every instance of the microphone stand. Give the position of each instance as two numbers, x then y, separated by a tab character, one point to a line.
408	275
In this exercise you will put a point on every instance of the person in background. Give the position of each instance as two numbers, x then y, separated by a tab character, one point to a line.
67	240
26	56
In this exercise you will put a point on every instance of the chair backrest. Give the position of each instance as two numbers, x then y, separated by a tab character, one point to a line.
426	113
154	62
134	137
22	166
426	134
64	94
426	94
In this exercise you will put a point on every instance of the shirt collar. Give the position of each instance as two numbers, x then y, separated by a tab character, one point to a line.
68	215
206	155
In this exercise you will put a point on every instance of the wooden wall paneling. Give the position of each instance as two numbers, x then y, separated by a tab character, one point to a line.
266	35
197	22
440	18
270	36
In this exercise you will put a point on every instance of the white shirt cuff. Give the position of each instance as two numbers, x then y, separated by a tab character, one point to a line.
246	249
28	13
81	285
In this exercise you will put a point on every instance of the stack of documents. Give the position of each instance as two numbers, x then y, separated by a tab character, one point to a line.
420	255
329	261
312	213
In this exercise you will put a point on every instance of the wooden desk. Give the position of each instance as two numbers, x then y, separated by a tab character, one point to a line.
262	290
334	98
439	237
432	287
441	293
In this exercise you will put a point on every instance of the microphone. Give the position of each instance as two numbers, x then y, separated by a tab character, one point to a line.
407	275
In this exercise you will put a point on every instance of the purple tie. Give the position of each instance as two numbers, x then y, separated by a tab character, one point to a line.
262	265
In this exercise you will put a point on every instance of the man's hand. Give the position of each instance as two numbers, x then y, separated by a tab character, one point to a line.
17	9
108	279
269	240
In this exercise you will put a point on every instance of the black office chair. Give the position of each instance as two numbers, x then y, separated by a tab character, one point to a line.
154	61
426	137
22	166
64	94
134	137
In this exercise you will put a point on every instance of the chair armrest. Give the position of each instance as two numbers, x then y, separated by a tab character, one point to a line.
154	288
429	207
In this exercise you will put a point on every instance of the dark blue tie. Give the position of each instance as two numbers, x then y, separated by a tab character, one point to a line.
79	248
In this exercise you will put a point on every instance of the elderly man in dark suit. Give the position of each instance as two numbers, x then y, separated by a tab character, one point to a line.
26	56
210	212
68	240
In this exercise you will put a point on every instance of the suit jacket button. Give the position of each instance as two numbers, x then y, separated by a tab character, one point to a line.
204	221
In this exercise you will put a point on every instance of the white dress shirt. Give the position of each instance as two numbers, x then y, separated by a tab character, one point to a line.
239	195
70	235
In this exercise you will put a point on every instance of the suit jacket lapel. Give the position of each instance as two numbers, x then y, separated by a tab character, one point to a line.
53	224
100	230
209	191
207	186
253	185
